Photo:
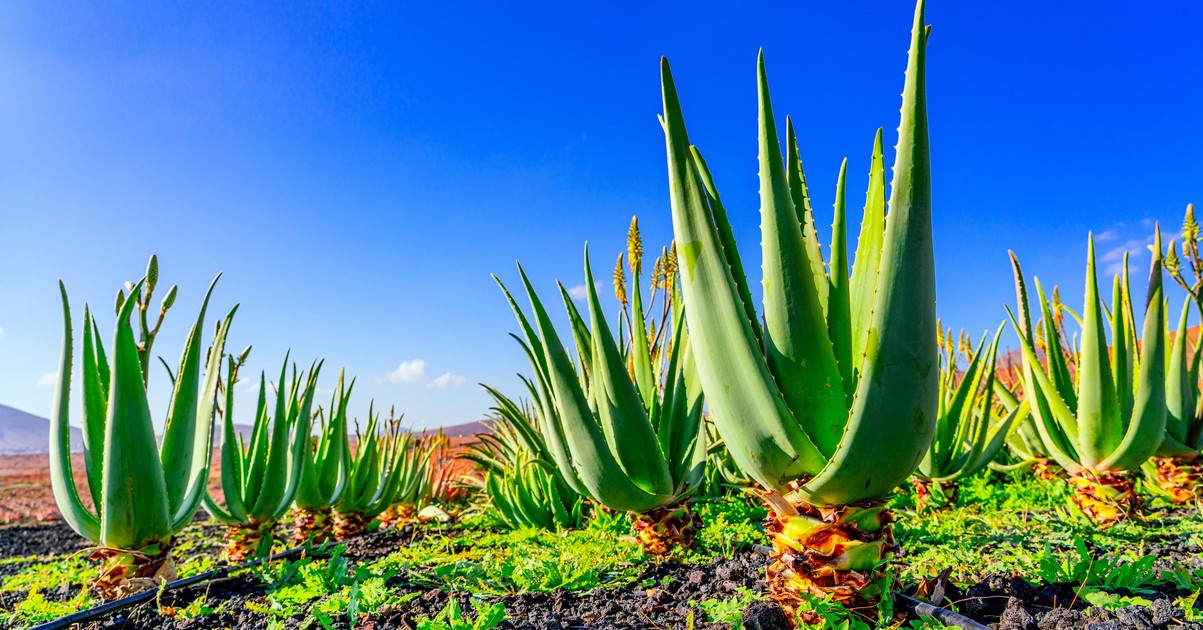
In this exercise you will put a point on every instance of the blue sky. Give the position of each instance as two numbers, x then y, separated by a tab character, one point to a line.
358	171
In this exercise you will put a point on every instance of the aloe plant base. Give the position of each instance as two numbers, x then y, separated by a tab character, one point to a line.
397	516
124	573
1174	478
841	551
1105	498
664	529
246	541
350	524
316	526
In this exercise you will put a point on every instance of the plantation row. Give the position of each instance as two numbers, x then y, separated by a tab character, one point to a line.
840	388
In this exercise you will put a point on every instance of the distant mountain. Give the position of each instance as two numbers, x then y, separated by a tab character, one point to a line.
466	429
22	432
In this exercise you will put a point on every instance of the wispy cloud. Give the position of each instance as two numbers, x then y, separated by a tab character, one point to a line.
581	291
413	372
48	379
1	331
1113	258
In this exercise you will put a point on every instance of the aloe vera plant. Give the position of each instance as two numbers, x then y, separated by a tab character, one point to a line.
832	402
325	466
520	480
623	425
259	479
1176	470
142	493
1104	419
378	469
969	435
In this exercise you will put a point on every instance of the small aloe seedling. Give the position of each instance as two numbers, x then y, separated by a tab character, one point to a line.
378	470
143	493
259	479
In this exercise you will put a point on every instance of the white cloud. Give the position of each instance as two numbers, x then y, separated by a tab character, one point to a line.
1113	259
1	331
447	380
408	372
48	379
1106	235
414	372
581	291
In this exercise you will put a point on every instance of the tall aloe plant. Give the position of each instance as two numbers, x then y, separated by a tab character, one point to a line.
969	433
259	479
1104	419
142	493
623	425
832	402
325	466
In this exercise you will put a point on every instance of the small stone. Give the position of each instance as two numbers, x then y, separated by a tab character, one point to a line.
1015	617
765	615
1114	624
696	577
1163	612
1136	616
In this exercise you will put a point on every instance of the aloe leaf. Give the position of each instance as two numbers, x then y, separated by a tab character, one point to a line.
1146	429
62	479
863	283
761	432
232	465
800	352
894	412
1179	394
800	195
1121	354
1100	428
184	431
202	453
95	409
727	242
134	512
839	310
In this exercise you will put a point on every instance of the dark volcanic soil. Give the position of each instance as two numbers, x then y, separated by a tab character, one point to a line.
664	596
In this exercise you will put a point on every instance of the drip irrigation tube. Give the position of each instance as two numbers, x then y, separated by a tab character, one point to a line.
920	607
145	596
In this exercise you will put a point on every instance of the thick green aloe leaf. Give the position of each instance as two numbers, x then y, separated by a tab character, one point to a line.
1147	427
893	414
1121	359
1179	393
1100	428
232	464
135	512
727	243
745	403
62	479
863	284
839	311
799	350
95	407
187	438
800	195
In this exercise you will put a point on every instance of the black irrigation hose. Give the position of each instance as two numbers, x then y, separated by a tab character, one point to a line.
922	608
145	596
